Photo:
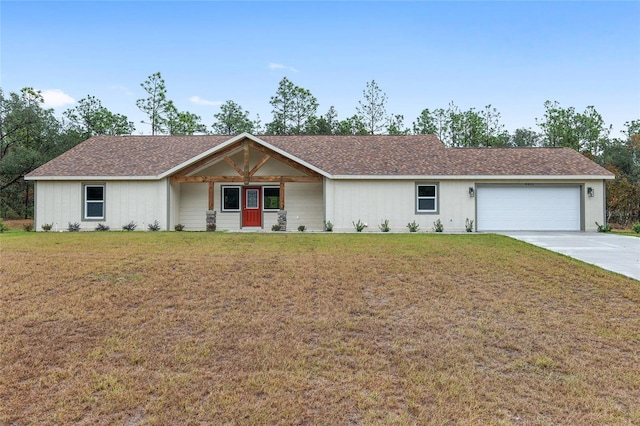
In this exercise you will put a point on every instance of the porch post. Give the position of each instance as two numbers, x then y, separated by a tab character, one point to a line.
211	213
210	195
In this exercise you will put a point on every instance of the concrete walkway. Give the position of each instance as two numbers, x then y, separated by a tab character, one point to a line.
617	253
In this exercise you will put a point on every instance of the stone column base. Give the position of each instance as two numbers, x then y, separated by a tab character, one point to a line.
211	220
282	220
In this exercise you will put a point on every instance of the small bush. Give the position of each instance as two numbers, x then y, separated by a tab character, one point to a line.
131	226
179	227
102	227
359	225
73	227
46	227
28	227
155	226
469	225
275	227
3	227
438	226
603	228
302	228
413	226
328	226
636	227
211	227
384	226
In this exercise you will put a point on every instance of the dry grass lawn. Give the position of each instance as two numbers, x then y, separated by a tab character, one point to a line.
214	328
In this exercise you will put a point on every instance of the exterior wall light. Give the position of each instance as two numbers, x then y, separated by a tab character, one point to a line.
472	192
590	192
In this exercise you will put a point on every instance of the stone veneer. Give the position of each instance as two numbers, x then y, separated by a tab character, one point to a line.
282	220
211	220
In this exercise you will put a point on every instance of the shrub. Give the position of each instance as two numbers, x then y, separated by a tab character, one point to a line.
73	227
438	226
155	226
211	227
302	228
179	227
102	227
46	227
413	226
469	225
328	226
384	226
28	227
359	225
130	226
603	228
275	227
636	227
3	227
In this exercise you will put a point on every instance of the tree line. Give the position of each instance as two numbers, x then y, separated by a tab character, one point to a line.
30	134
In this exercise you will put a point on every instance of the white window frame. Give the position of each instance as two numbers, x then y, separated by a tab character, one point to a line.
263	195
435	197
222	203
86	201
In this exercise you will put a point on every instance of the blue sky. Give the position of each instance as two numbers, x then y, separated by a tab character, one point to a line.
512	55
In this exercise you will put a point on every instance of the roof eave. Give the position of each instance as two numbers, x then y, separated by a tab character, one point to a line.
473	177
91	178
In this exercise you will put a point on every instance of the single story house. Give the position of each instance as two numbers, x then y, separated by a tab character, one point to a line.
249	182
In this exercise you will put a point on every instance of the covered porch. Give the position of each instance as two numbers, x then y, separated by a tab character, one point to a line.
246	185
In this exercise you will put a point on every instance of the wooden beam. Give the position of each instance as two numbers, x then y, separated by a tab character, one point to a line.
210	195
196	179
264	179
234	165
307	171
246	161
281	194
260	164
202	162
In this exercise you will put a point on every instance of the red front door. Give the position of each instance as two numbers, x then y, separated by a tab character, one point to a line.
251	206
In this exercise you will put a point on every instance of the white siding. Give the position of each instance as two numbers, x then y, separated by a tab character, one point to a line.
373	201
594	210
304	205
60	202
194	201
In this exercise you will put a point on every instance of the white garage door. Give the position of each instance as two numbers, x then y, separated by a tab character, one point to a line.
528	208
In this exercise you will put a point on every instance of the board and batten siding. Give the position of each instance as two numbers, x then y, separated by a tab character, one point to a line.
303	202
373	201
60	202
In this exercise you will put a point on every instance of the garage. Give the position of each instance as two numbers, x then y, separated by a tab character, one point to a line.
528	208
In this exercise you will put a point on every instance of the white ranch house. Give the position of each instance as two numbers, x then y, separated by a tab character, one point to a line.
248	182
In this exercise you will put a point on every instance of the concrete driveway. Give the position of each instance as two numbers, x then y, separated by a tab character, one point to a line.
617	253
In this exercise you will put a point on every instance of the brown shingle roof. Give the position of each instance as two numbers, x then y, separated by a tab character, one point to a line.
411	155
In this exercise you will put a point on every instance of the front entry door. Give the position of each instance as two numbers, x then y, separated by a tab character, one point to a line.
251	207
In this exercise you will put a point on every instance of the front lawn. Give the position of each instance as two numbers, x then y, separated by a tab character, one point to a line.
221	328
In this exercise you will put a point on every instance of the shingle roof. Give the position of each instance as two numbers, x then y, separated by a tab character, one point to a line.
410	155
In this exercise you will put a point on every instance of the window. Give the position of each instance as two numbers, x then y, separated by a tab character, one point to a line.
427	198
231	198
271	197
93	201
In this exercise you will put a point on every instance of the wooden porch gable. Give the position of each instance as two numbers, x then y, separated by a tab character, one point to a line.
245	172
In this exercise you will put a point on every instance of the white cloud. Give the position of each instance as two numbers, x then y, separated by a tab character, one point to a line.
199	101
55	98
274	66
